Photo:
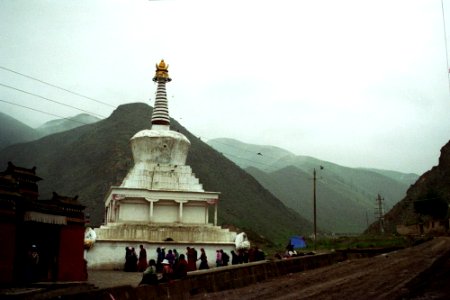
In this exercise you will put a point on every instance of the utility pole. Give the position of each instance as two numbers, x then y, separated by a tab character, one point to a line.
379	213
314	204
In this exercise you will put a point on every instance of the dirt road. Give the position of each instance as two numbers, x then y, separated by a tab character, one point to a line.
420	272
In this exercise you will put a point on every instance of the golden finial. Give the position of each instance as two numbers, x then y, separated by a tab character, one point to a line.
162	72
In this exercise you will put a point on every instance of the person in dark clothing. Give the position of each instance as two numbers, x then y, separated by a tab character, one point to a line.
170	257
176	254
149	276
32	265
130	260
245	256
203	260
260	255
159	259
133	260
181	268
225	258
234	258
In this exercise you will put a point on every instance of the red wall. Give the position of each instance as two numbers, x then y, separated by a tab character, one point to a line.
71	264
7	252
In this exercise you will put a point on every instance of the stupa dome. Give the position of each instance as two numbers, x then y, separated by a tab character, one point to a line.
160	147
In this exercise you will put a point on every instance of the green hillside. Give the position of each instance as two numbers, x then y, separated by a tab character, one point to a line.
59	125
87	160
426	200
13	131
345	196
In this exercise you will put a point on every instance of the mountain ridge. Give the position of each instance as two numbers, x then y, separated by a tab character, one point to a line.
432	188
59	125
87	160
345	196
13	131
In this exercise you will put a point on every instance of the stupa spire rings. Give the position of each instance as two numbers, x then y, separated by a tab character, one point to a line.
160	114
162	72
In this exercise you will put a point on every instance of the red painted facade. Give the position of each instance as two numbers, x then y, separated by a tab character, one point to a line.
41	240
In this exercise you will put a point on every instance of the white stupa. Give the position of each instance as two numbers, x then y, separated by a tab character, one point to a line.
160	202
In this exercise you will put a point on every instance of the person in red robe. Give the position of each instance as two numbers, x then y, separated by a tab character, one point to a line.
191	259
142	263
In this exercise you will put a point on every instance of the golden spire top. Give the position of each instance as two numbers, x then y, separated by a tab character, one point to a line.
162	72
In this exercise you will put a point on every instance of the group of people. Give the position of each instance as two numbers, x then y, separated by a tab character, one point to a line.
172	265
244	256
167	271
133	262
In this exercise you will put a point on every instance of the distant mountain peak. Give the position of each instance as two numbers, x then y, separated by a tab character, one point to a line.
345	194
64	124
13	131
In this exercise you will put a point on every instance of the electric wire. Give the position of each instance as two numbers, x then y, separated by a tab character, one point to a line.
445	44
56	86
44	112
241	158
223	153
48	99
240	149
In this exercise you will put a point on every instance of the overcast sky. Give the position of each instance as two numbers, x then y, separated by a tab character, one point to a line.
358	83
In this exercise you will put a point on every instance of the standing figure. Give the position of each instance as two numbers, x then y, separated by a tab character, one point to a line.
133	260
142	263
218	258
32	265
181	268
225	258
203	260
234	258
191	259
167	271
127	267
177	256
195	255
170	257
159	259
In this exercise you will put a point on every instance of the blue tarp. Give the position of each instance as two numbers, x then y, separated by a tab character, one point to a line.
298	241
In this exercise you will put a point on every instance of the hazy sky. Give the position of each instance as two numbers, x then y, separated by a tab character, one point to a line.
358	83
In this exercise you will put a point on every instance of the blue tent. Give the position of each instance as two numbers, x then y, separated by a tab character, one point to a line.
297	241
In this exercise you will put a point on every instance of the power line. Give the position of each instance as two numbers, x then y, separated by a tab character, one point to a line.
54	101
445	41
241	158
55	86
240	149
44	112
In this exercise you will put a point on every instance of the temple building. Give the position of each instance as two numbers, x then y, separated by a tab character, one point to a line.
41	240
161	202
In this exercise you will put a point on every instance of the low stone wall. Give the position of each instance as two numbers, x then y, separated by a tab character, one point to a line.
213	280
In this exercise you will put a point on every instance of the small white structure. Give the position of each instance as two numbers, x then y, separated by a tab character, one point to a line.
160	202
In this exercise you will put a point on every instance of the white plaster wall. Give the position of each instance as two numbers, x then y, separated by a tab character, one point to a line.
134	212
165	213
194	214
